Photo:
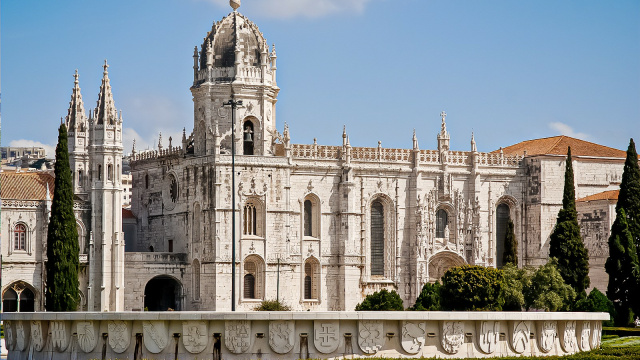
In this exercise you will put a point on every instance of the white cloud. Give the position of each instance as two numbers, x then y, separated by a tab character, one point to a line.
305	8
567	130
49	149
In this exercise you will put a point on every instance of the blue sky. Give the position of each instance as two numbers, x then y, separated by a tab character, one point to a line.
507	70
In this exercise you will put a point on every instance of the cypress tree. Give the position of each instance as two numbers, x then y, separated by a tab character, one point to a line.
510	255
629	197
622	267
62	237
565	243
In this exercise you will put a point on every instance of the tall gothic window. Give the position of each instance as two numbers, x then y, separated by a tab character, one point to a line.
308	218
248	136
110	172
196	279
502	221
377	238
441	222
18	298
249	286
99	172
20	237
80	178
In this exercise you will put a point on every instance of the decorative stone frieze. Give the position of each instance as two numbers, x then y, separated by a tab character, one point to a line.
291	335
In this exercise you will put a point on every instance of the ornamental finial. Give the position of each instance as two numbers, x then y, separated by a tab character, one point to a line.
235	4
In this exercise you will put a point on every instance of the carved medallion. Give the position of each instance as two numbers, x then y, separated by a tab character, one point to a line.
596	334
237	335
547	332
519	336
119	335
281	336
22	335
326	335
59	335
488	335
568	336
585	335
9	335
155	335
87	335
452	336
194	336
413	336
370	336
38	331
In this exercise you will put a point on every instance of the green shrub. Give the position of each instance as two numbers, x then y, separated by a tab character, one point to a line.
272	305
472	288
429	298
597	302
547	290
382	300
515	280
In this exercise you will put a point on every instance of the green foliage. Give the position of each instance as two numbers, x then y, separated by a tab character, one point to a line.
472	288
515	280
547	290
510	255
272	305
596	302
565	242
622	267
62	237
382	300
629	200
429	298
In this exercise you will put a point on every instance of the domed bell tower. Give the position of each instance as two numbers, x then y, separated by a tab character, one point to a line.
234	62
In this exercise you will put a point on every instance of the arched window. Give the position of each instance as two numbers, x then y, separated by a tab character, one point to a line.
20	237
253	279
27	301
311	279
99	172
196	279
441	223
377	238
110	172
146	181
10	301
196	223
252	218
18	297
80	178
81	242
308	218
248	137
502	221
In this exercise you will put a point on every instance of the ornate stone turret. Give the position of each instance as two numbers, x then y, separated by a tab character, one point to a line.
443	136
78	140
106	252
234	61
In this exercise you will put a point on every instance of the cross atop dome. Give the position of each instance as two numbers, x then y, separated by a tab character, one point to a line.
235	4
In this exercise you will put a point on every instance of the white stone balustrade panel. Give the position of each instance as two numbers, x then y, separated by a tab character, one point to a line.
292	335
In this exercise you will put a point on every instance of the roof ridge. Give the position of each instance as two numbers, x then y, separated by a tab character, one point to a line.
560	138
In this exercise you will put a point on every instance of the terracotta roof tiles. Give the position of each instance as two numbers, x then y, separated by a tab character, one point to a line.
605	195
557	145
25	185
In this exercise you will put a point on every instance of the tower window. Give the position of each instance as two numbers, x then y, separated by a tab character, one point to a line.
79	177
110	172
253	279
441	223
308	218
252	218
311	279
248	137
99	172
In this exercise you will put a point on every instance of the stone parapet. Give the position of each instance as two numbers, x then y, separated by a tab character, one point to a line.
294	335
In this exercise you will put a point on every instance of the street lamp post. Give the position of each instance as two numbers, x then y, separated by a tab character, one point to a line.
234	105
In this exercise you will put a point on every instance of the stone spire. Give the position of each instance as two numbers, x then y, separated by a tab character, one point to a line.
443	136
105	112
474	148
76	117
415	141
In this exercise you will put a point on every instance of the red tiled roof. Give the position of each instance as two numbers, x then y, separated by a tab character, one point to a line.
25	185
127	214
557	145
605	195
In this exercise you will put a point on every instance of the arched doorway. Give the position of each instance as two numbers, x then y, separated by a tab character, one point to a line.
18	297
441	262
162	293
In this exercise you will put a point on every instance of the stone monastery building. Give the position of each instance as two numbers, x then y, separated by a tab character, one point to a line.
320	226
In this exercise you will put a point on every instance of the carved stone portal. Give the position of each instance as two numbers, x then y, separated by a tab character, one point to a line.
452	336
547	333
281	336
326	335
237	335
370	336
119	335
413	336
194	336
488	336
155	335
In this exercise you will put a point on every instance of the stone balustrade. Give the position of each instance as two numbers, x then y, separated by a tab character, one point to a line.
294	335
